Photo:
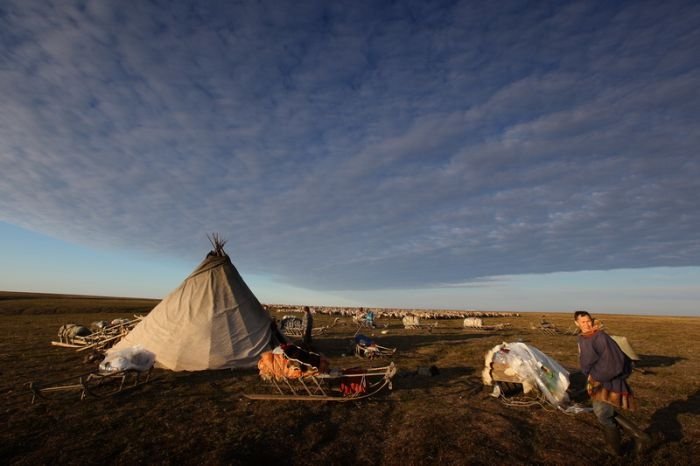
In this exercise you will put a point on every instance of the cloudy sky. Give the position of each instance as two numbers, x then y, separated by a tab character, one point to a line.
493	155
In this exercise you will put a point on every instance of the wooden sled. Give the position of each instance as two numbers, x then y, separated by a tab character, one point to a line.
368	349
414	323
551	329
475	323
72	336
292	327
99	340
99	384
365	320
295	380
490	328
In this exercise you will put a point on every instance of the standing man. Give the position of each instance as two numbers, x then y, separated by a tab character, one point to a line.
607	369
308	325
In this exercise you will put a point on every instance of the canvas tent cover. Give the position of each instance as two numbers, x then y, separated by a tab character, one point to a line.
211	321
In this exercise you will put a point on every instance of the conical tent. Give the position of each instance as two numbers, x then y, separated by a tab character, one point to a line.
211	321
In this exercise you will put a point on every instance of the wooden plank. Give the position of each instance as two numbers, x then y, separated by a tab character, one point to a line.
65	345
498	373
99	343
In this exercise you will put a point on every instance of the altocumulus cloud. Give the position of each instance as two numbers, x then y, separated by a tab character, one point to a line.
358	145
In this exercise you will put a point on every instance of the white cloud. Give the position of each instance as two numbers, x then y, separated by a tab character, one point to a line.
353	148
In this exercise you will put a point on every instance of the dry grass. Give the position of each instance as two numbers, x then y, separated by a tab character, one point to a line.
15	303
201	418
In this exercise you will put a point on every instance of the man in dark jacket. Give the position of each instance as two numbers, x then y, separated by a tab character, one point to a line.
307	325
607	369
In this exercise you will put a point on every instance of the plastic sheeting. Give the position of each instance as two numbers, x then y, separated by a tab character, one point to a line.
132	358
533	368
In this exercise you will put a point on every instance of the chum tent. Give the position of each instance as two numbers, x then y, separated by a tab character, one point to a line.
211	321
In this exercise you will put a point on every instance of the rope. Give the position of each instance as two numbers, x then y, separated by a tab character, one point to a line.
542	402
525	402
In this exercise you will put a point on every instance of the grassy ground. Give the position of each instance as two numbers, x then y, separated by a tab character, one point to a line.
202	418
15	303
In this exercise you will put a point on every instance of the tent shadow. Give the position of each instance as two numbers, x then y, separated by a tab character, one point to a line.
197	380
665	420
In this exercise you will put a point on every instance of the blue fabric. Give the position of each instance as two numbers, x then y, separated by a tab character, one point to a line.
602	359
363	340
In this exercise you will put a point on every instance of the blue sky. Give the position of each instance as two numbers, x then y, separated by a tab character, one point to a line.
492	155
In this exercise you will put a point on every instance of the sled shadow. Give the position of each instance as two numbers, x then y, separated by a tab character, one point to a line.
648	361
665	420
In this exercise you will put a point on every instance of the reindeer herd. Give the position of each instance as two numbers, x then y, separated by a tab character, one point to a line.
391	313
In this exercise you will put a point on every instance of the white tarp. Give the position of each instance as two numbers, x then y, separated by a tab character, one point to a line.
133	358
533	368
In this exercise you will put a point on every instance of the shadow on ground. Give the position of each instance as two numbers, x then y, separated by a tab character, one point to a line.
665	420
651	360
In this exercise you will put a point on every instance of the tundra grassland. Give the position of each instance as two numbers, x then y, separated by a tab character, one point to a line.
447	419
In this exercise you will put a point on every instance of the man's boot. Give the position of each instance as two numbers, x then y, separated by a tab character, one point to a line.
613	438
642	441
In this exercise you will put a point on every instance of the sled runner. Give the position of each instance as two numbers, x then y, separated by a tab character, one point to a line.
98	384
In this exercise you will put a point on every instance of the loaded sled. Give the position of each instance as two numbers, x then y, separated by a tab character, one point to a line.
411	322
520	368
300	375
366	348
478	324
364	319
292	326
549	328
120	371
100	337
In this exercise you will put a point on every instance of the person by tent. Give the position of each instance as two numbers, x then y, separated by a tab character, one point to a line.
607	368
307	325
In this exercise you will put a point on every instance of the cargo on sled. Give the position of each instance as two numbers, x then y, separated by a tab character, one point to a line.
366	348
122	370
297	374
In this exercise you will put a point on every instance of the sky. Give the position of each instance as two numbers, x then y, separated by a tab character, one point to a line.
528	156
